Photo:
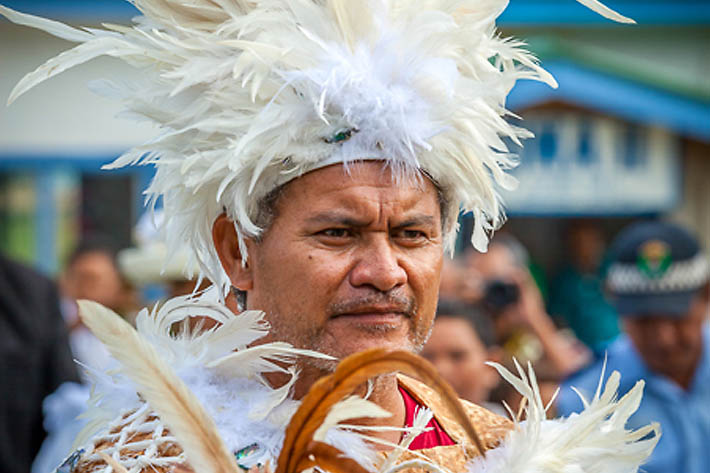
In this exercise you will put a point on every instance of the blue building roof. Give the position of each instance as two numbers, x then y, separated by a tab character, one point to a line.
616	96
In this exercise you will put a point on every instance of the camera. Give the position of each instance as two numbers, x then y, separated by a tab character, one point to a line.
499	294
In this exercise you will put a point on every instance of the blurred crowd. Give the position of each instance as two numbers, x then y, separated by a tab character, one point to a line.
605	306
48	355
639	307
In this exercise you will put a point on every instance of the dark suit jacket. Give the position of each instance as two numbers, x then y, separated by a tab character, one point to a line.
35	359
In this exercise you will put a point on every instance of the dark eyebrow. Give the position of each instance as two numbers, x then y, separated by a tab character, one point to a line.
336	218
348	221
419	220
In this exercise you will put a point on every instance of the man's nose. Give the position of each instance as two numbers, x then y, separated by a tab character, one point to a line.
444	367
378	266
665	333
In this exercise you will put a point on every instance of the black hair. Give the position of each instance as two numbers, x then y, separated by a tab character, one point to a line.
94	244
473	314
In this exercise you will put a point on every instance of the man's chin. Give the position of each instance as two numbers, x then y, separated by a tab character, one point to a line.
343	351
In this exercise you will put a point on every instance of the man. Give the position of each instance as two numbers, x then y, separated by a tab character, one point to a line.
92	272
461	342
349	262
522	325
314	158
35	359
659	284
578	297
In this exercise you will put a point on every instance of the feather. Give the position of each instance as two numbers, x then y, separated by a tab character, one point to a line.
227	383
83	53
351	407
595	440
419	425
605	11
60	30
166	393
245	363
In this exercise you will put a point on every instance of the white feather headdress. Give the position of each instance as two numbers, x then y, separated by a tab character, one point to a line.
250	94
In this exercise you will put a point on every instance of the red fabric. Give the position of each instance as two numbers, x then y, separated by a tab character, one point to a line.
435	437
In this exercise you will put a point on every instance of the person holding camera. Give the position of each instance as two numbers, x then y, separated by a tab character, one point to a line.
522	325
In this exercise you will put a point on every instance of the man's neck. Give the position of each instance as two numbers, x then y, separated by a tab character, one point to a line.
685	379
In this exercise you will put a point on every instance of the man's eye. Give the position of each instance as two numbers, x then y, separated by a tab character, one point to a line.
335	233
413	234
458	356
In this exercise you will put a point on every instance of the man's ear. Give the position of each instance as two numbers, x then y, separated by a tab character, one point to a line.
226	242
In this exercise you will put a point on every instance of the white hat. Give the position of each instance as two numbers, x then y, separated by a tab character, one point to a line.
250	94
150	262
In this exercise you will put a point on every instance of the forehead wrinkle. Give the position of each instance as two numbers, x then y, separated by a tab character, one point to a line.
361	192
391	209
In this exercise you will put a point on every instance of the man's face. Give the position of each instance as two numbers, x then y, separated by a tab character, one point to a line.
94	276
350	262
670	345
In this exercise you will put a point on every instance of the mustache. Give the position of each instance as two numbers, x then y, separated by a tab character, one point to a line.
396	302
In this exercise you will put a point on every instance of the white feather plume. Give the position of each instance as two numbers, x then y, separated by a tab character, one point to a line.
166	393
251	94
217	365
351	442
593	441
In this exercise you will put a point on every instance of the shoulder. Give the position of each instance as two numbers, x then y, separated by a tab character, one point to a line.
21	275
620	356
491	427
29	298
137	440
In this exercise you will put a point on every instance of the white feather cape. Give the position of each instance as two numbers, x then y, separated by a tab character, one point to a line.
217	378
221	375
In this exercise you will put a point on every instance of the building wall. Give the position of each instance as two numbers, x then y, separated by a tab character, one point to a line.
53	142
695	208
61	117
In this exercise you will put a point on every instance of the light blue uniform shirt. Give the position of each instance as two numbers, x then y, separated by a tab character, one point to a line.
684	415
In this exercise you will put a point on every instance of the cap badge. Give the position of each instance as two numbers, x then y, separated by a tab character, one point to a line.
654	258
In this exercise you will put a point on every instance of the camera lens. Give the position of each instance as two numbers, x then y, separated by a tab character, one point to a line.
500	294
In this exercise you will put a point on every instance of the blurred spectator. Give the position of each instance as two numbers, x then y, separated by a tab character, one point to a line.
35	359
148	262
458	284
578	295
659	284
522	326
460	344
92	273
97	272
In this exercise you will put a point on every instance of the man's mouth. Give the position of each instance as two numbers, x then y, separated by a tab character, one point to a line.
373	315
373	310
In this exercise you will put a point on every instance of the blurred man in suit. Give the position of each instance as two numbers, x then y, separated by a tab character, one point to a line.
35	359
